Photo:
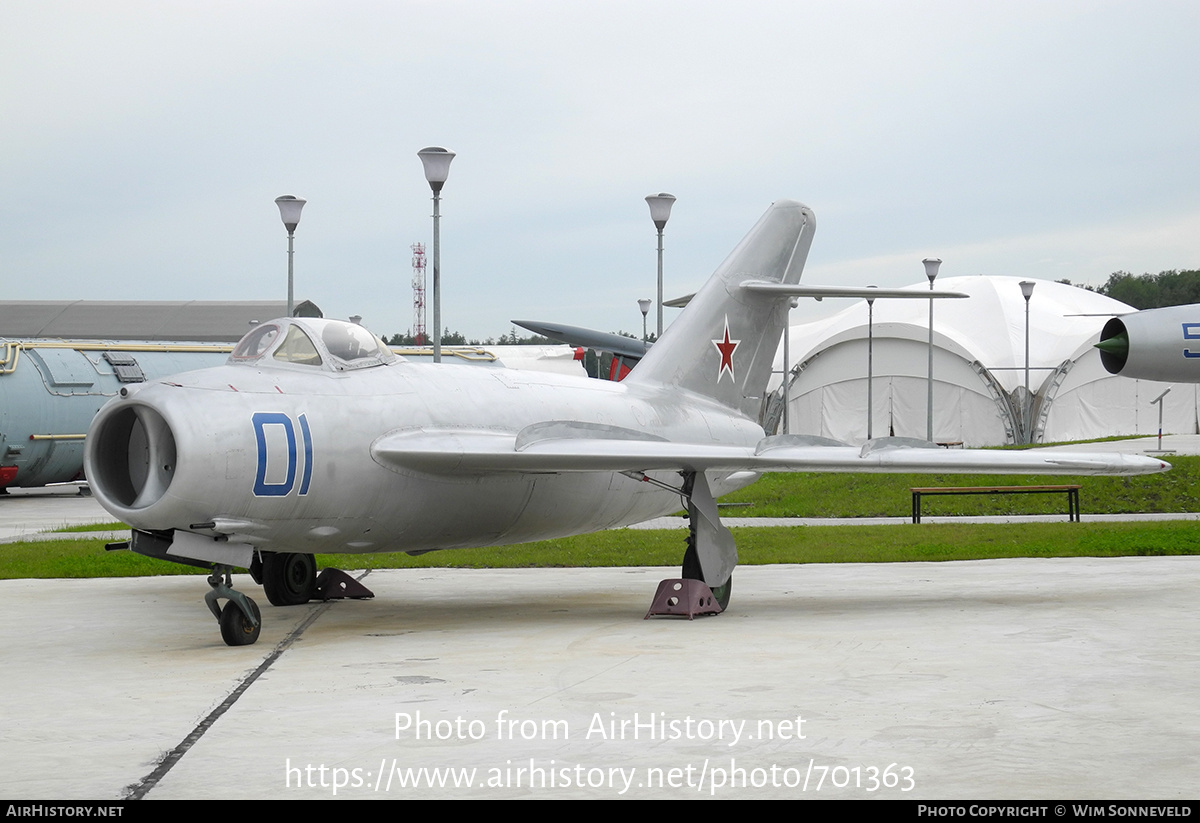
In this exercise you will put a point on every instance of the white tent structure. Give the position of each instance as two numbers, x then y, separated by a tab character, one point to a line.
979	370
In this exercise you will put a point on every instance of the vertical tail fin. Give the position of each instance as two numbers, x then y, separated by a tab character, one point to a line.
724	344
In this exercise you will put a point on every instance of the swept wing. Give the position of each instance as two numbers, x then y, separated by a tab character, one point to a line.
568	446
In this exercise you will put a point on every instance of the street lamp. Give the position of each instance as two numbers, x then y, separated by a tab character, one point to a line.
660	212
1159	401
871	363
1027	291
787	363
437	168
644	305
931	271
289	211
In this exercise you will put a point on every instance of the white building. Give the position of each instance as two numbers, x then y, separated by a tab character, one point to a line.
978	367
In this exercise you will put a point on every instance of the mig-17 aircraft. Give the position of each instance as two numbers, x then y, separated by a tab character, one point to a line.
314	438
1154	344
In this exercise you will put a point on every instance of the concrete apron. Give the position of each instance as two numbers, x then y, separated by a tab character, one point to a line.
1059	678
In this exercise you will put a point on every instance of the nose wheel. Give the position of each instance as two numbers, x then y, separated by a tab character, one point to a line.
240	620
238	629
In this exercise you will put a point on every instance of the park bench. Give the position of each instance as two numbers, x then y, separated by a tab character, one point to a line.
1072	493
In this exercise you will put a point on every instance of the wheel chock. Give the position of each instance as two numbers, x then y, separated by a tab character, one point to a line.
683	597
335	584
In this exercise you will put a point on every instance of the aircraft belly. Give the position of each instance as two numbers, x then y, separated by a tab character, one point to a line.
563	505
502	509
493	511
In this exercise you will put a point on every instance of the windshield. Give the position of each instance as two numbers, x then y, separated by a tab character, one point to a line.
256	342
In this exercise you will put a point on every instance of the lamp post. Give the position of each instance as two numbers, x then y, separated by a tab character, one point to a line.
787	364
870	364
931	271
644	305
1027	291
437	168
660	211
289	212
1159	401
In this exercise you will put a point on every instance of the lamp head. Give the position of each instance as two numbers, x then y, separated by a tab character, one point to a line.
931	268
437	165
660	208
289	211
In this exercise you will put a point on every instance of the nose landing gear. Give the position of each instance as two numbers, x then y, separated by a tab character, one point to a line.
240	620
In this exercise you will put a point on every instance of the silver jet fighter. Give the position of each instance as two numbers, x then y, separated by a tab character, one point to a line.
1154	344
315	438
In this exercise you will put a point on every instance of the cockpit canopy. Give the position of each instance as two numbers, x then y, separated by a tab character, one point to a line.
333	345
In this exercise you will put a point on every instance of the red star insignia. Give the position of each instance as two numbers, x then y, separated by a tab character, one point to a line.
726	348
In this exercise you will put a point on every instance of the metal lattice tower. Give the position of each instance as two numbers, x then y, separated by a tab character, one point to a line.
418	285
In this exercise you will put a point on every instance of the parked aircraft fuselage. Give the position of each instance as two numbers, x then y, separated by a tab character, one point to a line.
287	451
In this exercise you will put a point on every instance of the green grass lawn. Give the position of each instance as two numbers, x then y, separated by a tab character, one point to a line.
638	547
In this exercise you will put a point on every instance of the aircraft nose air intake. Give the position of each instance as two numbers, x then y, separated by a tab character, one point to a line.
132	457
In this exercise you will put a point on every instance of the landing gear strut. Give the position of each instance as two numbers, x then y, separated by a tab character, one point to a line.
711	554
710	558
691	571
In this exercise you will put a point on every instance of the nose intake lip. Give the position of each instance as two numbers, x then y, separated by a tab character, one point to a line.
130	457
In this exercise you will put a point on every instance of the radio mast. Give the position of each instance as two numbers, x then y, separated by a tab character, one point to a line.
418	285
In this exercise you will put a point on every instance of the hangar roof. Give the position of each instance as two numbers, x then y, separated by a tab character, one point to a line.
201	321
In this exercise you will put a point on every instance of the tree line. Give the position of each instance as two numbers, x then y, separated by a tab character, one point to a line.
453	338
1150	291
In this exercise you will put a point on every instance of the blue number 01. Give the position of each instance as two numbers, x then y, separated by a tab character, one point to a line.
261	487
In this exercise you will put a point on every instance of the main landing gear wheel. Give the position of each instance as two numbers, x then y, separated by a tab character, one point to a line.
691	571
236	628
289	579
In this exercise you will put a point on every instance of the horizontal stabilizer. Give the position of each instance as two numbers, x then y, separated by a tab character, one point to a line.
617	344
821	292
796	290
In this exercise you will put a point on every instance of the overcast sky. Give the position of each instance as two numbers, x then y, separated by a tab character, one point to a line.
142	145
